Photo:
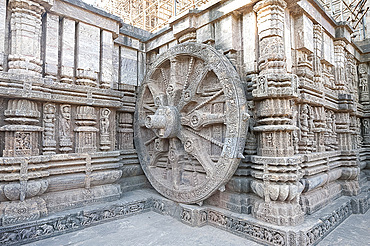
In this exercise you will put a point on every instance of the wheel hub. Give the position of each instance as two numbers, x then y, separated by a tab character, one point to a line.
165	122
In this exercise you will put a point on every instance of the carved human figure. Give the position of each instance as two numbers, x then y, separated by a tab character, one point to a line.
304	118
49	142
366	125
65	121
65	128
363	85
104	129
104	121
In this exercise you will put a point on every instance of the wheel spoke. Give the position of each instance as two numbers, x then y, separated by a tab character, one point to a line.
189	93
194	147
198	120
206	101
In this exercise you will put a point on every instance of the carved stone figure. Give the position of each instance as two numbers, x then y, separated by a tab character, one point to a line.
65	141
105	141
49	141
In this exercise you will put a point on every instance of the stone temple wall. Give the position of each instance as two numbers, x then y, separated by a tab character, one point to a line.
68	80
306	84
67	96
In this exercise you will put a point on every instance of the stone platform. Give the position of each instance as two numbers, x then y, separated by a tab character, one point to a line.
142	202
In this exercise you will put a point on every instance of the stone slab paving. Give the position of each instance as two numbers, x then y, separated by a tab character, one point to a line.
354	231
146	229
154	229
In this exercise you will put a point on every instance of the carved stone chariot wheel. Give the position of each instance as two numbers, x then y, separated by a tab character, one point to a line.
190	122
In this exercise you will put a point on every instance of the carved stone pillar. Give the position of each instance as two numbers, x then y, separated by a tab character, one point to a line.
340	70
270	24
276	169
125	130
21	131
25	32
317	42
86	131
343	131
2	32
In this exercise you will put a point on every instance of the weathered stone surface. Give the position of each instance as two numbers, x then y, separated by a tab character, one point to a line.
2	32
68	89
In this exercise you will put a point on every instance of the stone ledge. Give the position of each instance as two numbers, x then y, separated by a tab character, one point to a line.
38	88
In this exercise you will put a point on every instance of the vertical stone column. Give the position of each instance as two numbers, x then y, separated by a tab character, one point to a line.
270	25
340	69
276	169
317	43
86	131
106	78
343	131
21	131
2	32
51	45
25	35
67	50
88	55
